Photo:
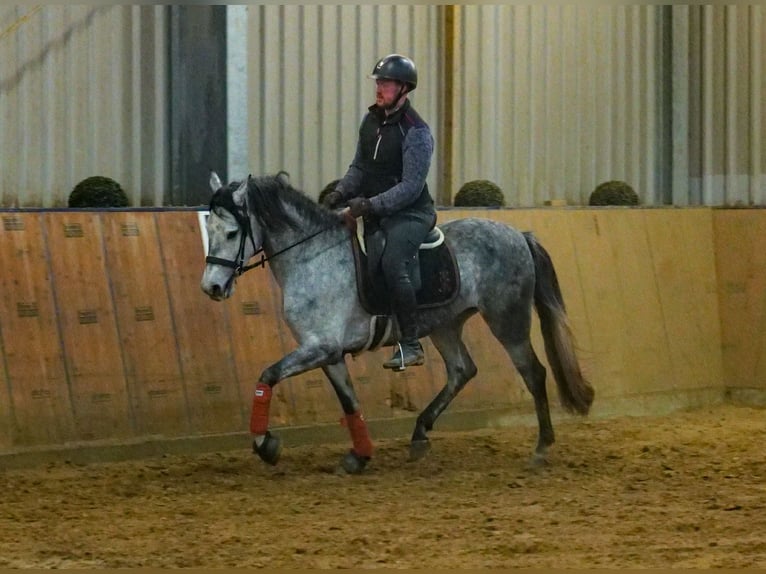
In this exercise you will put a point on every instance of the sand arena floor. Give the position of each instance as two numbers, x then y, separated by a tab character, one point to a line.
684	490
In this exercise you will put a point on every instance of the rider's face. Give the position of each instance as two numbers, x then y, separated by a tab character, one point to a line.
386	92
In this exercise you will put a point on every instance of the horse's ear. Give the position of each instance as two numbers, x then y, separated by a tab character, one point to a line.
284	178
215	181
240	193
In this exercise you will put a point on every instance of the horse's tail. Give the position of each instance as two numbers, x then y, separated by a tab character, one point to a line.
575	392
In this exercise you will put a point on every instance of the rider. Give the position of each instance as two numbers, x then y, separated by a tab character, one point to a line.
386	185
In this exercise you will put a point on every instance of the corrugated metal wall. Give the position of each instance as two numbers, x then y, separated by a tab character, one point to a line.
547	101
82	92
308	82
552	100
726	159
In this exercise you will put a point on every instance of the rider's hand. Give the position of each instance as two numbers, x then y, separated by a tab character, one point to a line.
332	199
359	207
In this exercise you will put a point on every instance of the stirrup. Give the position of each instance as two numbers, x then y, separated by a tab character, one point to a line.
401	365
390	364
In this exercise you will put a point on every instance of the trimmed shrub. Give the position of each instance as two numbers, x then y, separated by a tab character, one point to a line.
98	191
327	189
479	193
613	193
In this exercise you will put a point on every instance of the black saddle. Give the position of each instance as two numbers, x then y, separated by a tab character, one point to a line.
435	275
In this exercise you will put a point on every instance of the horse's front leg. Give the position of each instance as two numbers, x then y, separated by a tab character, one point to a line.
266	445
357	458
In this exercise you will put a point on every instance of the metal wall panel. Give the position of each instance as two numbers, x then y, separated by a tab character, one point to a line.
553	100
546	100
724	151
82	92
198	88
308	86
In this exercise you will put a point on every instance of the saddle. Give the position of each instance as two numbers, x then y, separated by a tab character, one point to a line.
434	275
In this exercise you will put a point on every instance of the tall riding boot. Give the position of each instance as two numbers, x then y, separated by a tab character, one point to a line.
408	352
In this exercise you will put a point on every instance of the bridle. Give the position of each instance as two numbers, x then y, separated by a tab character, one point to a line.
247	232
239	263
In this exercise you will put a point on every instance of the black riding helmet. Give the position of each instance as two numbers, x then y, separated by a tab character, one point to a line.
396	67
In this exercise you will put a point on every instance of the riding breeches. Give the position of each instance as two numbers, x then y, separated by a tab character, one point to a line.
404	232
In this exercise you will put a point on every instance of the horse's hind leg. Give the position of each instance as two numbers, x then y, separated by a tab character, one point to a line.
533	373
356	459
460	370
512	328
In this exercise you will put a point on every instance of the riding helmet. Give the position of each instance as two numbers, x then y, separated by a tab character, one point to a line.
396	67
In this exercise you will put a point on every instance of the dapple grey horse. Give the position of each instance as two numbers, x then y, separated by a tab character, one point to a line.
503	274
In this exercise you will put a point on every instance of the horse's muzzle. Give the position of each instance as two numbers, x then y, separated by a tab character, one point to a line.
216	291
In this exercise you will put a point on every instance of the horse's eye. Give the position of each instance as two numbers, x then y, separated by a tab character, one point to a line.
231	235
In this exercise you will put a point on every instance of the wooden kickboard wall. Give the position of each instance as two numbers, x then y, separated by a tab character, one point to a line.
106	336
740	244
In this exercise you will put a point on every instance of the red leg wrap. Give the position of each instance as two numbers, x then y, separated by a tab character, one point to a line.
360	436
259	417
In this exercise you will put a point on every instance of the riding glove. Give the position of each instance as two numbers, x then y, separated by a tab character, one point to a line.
359	206
332	199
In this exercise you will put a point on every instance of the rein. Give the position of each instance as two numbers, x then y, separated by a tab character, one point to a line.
239	265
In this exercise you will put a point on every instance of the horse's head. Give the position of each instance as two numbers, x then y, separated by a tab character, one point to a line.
234	236
262	214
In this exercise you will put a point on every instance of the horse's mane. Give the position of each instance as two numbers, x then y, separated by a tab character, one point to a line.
268	197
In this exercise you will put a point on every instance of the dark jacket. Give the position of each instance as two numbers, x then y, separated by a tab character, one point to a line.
392	160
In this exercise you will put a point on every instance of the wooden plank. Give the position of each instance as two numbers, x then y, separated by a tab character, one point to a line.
88	326
755	378
648	365
740	248
147	335
202	329
7	417
683	260
36	406
315	401
600	284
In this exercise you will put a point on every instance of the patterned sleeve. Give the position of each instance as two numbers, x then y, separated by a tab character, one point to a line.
417	150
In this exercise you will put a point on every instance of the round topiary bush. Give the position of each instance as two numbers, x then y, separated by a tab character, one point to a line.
479	193
98	191
327	189
613	193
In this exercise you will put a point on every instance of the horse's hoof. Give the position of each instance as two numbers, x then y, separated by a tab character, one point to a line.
418	449
352	463
270	449
539	460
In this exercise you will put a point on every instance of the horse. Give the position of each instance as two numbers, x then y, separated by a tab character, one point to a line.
503	272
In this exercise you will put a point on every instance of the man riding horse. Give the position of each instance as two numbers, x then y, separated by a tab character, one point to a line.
386	185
